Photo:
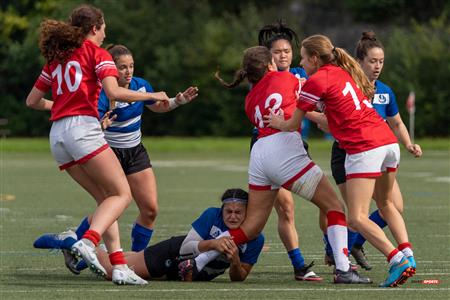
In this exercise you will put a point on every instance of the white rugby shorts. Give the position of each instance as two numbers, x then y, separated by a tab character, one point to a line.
373	162
75	140
278	161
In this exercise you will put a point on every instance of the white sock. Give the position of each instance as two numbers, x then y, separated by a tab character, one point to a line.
396	258
408	252
205	257
337	235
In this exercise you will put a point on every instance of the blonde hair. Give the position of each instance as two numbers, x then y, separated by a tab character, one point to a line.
321	46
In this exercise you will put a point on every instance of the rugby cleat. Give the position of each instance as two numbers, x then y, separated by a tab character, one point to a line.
70	261
360	257
187	270
63	240
398	274
412	262
306	274
350	277
124	275
85	249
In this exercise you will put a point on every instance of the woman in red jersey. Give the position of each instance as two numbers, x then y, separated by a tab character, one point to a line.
338	86
76	68
278	159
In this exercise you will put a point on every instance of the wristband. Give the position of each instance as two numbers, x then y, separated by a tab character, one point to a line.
173	103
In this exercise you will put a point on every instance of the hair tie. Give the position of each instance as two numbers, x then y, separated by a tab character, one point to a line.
333	50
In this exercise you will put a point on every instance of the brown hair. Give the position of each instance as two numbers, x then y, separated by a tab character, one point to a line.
117	51
86	16
367	41
254	66
321	46
58	40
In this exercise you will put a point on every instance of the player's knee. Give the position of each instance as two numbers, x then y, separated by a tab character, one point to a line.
150	213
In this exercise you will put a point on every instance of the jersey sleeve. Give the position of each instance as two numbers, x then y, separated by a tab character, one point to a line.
311	93
104	65
103	104
204	223
149	89
44	81
254	248
392	108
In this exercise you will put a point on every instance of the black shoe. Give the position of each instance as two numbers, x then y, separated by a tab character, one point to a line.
350	277
358	254
187	270
70	261
306	274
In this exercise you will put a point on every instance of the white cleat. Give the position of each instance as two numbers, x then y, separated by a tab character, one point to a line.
86	250
125	275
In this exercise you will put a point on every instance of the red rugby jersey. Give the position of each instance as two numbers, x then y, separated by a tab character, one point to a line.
76	84
275	90
351	118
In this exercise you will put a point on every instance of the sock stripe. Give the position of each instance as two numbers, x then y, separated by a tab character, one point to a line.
404	245
392	254
336	218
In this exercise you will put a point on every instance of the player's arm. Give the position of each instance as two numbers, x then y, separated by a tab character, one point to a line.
277	121
320	119
115	92
400	130
238	270
180	99
35	100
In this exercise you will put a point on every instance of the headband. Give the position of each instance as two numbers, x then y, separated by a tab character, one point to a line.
234	200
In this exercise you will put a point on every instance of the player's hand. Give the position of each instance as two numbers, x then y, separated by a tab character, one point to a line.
107	119
159	96
274	119
223	244
415	150
232	253
187	96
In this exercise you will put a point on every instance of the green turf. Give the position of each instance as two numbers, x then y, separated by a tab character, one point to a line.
191	176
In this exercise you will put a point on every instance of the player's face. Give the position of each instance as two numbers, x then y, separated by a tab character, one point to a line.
372	64
308	63
282	53
125	67
99	34
234	214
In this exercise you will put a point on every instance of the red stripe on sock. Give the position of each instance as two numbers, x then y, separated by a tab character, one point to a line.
404	246
336	218
238	235
392	254
117	258
93	236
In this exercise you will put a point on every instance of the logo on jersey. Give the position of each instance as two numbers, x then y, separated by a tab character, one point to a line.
381	99
215	231
243	247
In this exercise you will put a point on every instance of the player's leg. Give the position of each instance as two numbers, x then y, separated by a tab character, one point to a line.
285	207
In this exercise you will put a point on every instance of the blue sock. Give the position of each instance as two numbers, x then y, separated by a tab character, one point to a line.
375	217
82	228
140	237
297	259
351	236
328	249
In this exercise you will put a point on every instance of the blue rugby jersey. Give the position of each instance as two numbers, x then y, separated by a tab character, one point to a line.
384	100
125	131
210	225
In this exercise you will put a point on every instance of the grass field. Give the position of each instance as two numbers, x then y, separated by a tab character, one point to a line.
192	174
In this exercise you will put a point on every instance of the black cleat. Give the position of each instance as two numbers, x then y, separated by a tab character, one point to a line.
305	274
350	277
187	270
70	261
360	257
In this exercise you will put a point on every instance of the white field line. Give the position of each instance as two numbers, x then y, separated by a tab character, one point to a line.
239	290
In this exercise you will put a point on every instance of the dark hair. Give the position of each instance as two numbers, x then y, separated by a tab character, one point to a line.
367	41
86	16
117	51
274	32
321	46
58	40
235	193
254	66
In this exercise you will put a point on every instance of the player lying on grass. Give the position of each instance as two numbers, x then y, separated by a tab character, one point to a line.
161	260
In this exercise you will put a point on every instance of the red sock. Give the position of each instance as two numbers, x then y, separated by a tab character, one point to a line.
392	254
238	235
93	236
117	258
404	245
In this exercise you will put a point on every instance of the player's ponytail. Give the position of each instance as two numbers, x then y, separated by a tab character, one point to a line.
321	46
58	40
255	65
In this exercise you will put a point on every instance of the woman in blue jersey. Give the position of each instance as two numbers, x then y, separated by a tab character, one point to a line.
370	55
278	38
